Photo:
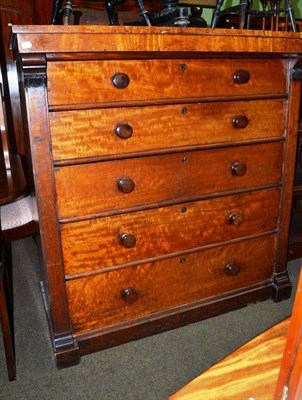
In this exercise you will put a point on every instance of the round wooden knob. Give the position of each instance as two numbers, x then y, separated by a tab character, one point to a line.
123	131
120	80
240	121
241	76
238	168
130	295
235	218
128	240
126	185
232	269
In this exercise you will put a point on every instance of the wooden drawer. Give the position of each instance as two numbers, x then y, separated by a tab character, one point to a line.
127	130
120	295
117	240
151	80
87	189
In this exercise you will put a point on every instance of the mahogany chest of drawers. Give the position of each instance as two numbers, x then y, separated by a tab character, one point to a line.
163	162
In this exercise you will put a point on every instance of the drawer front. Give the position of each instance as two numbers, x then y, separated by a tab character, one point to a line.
145	80
118	131
86	189
121	295
117	240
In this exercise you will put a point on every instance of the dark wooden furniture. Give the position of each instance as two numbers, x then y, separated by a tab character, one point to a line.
6	315
16	12
16	221
10	188
12	185
163	163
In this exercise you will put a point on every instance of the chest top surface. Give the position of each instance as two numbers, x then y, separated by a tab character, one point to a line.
95	39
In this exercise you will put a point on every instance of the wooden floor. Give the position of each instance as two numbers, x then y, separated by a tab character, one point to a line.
249	372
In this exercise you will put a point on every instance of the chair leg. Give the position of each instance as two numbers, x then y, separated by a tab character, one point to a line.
243	7
291	14
7	321
216	13
8	275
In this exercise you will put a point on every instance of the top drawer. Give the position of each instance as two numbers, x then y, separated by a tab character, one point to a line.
144	80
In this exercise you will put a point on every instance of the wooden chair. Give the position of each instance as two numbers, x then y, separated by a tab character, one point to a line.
270	17
87	12
6	316
16	221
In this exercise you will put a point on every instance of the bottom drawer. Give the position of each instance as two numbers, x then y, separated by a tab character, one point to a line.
123	294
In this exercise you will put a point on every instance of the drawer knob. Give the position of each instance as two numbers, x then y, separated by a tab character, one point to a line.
130	295
238	168
240	121
232	269
128	240
120	80
235	218
241	76
123	131
126	185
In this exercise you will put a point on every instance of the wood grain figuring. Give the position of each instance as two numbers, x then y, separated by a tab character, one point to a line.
73	39
162	151
164	178
91	81
97	301
249	372
290	374
95	244
91	133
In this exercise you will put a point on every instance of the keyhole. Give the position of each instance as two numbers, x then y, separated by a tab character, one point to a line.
184	110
